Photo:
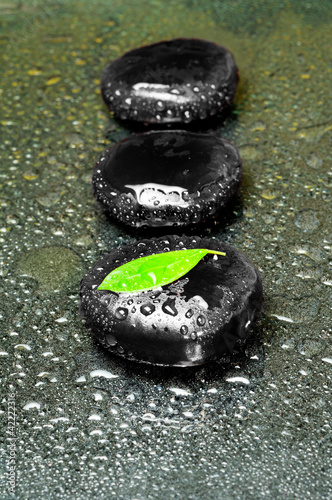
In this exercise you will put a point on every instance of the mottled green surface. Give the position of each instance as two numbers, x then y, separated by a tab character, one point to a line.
257	425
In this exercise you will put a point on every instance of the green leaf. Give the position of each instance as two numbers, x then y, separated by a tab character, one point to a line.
153	271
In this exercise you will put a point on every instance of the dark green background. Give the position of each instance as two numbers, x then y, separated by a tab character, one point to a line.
256	425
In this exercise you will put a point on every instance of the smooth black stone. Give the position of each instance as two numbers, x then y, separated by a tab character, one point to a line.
191	321
167	178
176	80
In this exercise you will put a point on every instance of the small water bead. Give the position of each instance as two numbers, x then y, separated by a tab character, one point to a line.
187	117
184	329
201	320
147	309
189	313
160	105
111	340
121	313
169	307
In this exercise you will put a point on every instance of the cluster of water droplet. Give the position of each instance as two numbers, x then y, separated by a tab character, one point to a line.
155	103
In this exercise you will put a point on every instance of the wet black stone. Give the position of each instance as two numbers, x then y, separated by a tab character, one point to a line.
196	319
165	178
175	81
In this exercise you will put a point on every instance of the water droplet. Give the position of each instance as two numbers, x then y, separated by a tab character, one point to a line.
169	307
201	320
160	106
189	313
121	313
314	161
147	309
184	329
307	220
111	340
187	116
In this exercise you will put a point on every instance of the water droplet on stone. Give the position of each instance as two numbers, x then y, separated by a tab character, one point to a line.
111	340
189	313
121	313
160	106
187	117
147	309
201	320
184	330
169	307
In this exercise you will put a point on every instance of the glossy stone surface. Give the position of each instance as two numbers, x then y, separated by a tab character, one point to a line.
167	178
196	319
177	80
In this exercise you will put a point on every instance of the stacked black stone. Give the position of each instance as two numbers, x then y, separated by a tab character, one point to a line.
171	178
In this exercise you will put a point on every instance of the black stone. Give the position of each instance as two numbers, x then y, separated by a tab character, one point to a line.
165	178
175	81
191	321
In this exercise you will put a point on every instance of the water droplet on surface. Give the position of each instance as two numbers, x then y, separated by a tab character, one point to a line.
184	330
314	161
201	320
111	340
187	117
147	309
169	307
294	310
307	220
160	106
189	313
121	313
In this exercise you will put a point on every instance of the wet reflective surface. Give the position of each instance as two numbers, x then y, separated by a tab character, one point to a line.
89	424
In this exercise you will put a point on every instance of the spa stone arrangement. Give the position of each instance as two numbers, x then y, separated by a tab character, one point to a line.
175	300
